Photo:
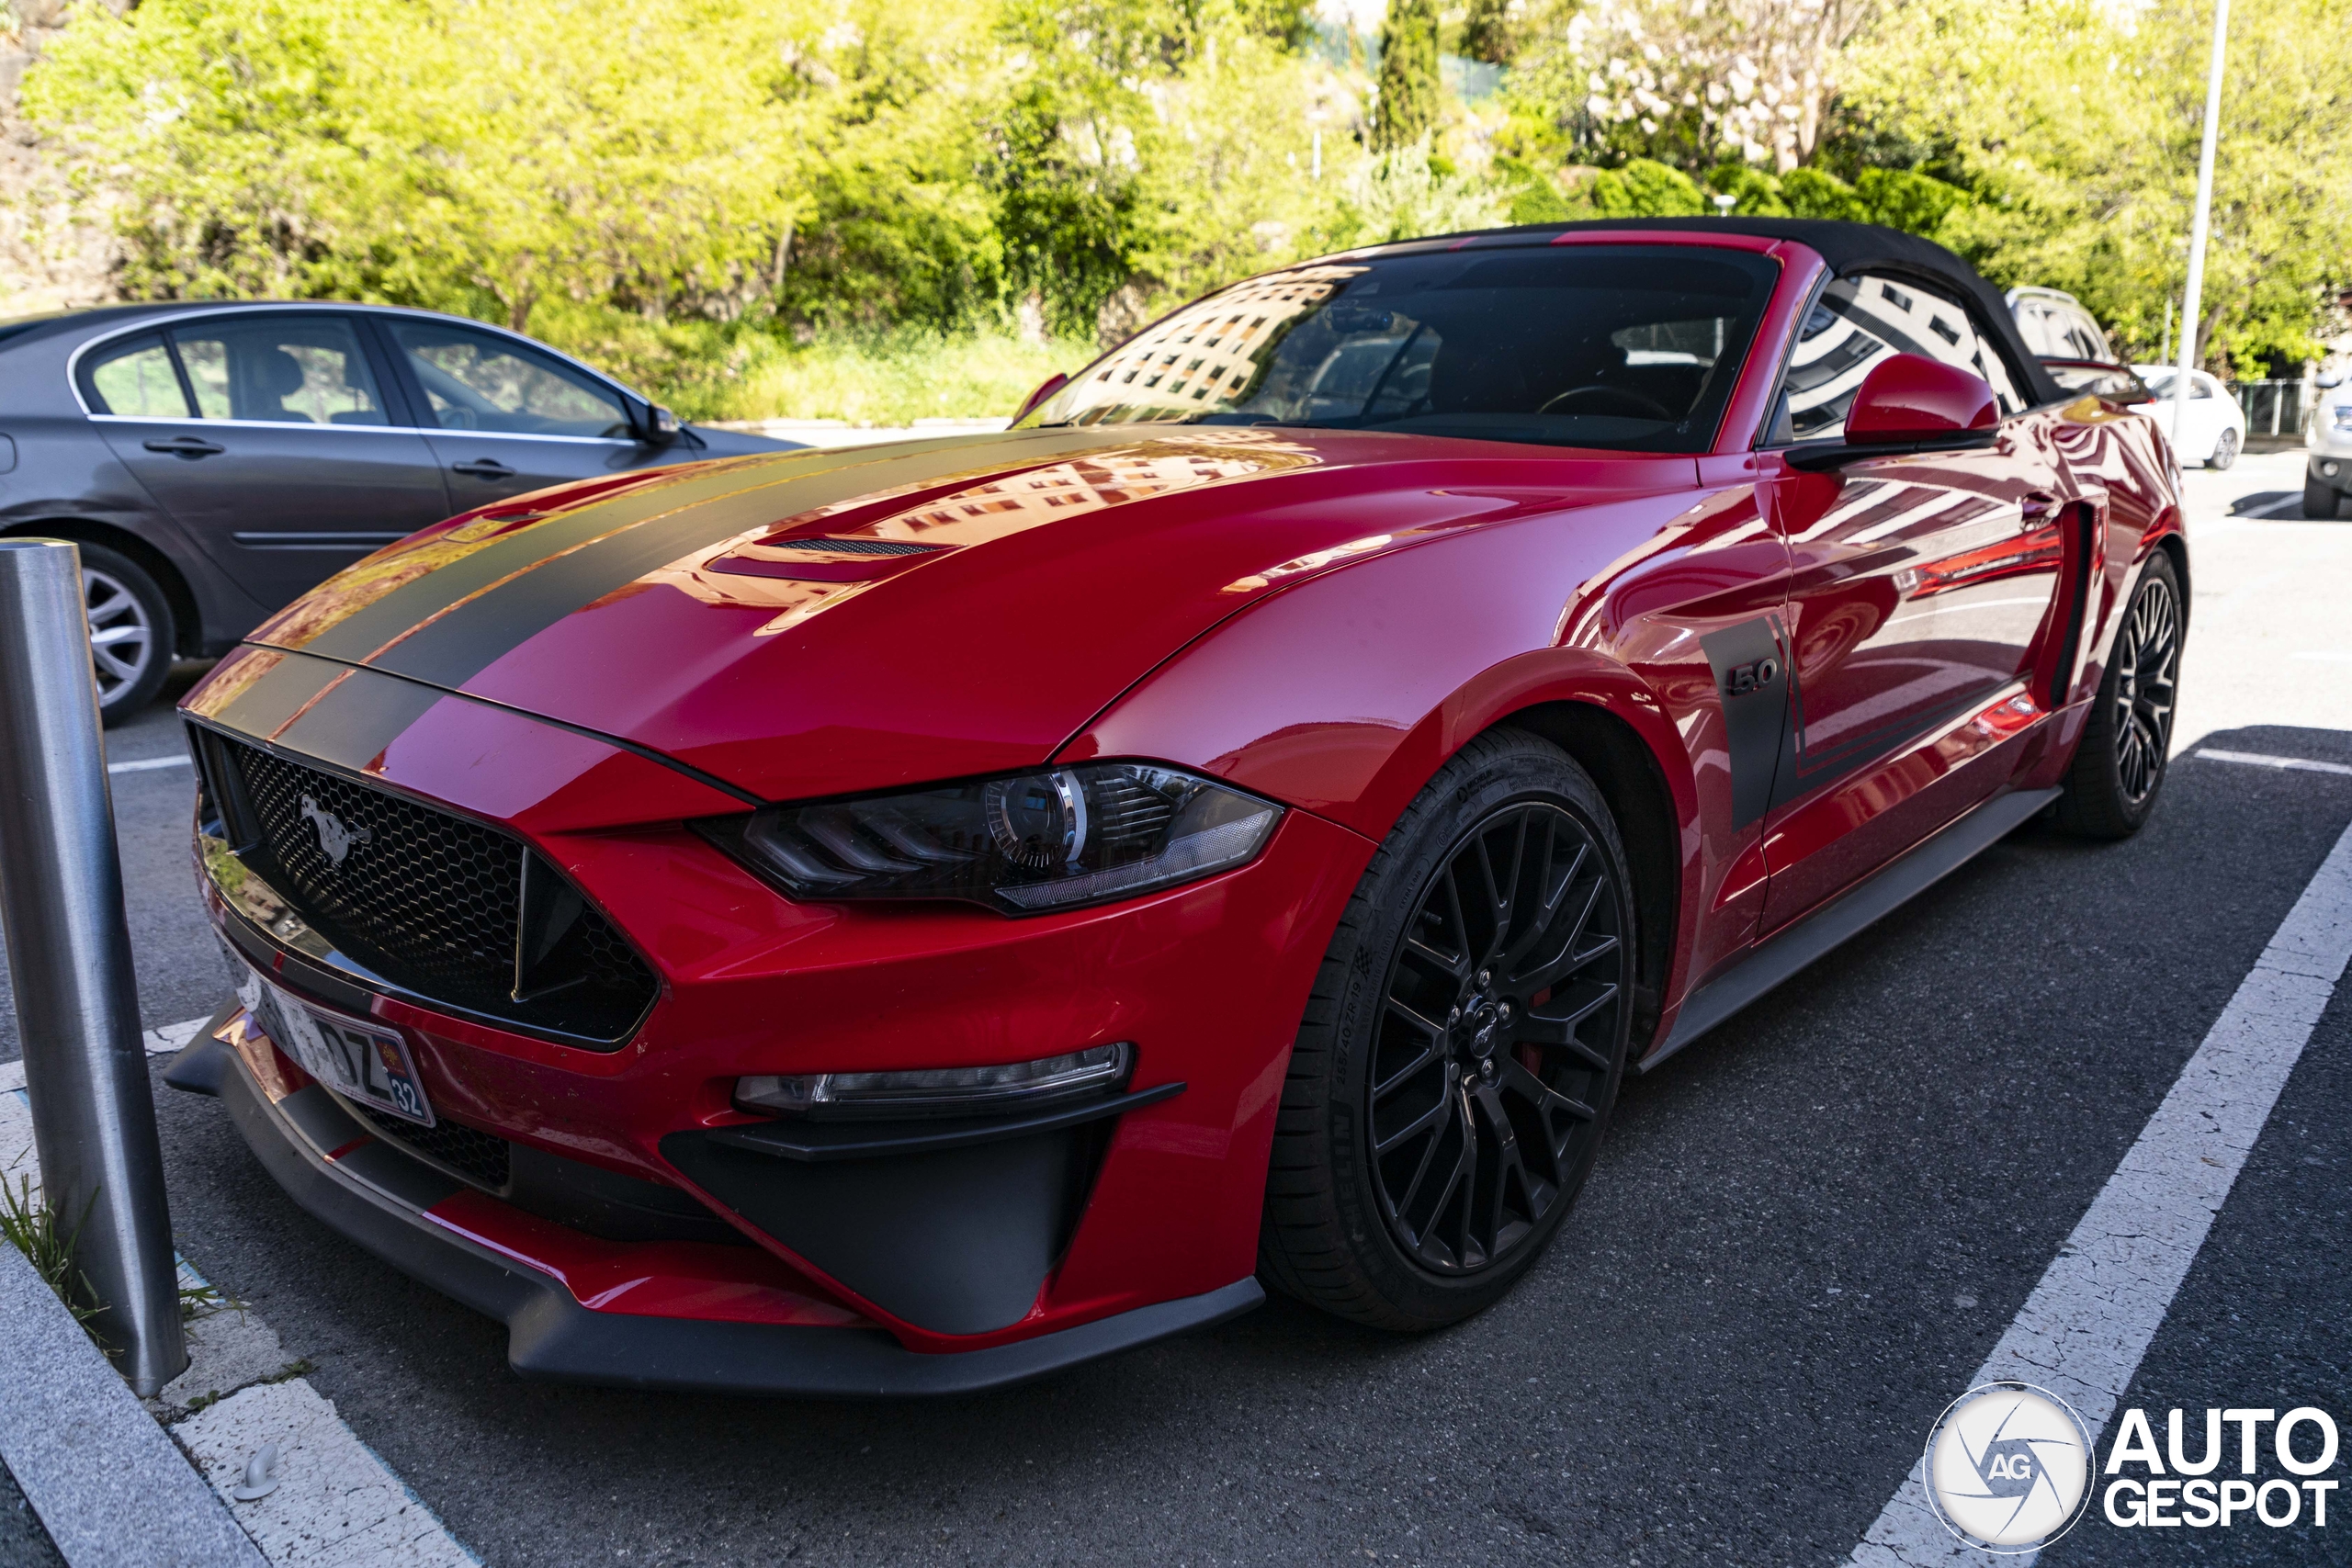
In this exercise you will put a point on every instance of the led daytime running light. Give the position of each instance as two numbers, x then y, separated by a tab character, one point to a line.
939	1090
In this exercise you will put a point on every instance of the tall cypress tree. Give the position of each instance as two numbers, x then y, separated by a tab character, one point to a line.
1406	108
1487	33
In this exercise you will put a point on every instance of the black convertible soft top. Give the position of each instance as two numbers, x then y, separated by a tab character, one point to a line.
1848	248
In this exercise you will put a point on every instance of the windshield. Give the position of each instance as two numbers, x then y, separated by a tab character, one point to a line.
1625	348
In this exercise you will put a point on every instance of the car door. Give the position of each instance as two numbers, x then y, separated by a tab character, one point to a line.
506	418
267	434
1920	592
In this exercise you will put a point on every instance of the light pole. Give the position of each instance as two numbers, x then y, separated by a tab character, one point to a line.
2201	222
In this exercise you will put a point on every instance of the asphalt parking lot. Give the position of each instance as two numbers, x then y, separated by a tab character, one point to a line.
1805	1235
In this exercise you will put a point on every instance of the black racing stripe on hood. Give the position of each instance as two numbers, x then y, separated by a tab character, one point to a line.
352	725
362	634
477	634
278	695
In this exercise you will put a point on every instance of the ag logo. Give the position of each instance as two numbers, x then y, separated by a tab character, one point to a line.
335	841
1752	676
2008	1467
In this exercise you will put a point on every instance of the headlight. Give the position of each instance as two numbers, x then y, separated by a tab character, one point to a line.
1050	840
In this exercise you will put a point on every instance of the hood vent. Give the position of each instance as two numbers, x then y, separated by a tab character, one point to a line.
851	546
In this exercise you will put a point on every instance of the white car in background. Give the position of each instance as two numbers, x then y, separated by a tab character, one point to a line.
2328	476
2212	425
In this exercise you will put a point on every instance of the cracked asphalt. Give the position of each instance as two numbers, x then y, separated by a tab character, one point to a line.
1804	1235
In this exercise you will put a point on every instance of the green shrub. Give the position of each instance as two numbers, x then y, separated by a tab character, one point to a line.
1645	189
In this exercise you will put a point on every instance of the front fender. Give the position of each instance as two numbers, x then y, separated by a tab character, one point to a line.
1345	693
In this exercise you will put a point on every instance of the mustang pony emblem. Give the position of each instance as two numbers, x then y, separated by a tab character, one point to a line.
334	839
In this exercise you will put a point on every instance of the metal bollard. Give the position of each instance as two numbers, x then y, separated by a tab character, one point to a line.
68	960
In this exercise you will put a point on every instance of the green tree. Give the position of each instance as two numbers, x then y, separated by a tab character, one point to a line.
1490	32
1405	111
2074	126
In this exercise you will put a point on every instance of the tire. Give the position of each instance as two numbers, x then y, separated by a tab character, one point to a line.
2119	767
2225	450
2322	500
131	633
1536	1044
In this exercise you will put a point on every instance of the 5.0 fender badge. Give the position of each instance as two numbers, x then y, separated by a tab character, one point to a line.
1752	676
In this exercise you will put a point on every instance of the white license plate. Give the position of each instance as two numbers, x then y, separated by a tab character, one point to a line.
357	1059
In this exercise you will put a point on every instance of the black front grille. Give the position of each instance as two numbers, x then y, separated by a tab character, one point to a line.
478	1157
430	900
438	895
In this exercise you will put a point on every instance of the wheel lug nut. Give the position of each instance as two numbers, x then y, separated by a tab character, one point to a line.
1454	1017
1485	976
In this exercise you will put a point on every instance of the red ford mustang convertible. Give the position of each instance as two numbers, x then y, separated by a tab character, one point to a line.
907	919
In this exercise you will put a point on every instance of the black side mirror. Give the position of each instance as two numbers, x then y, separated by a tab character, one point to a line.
662	427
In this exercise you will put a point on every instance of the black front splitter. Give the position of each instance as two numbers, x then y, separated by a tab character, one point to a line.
551	1335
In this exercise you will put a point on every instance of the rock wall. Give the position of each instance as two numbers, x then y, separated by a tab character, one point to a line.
48	261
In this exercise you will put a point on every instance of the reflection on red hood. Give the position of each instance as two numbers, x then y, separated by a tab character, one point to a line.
815	623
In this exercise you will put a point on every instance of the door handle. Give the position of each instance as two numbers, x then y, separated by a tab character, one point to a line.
189	446
483	468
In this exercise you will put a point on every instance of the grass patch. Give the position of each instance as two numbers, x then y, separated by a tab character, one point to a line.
882	378
898	377
34	1228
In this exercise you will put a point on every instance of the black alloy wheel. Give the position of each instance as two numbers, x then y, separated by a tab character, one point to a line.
1482	1094
2147	657
2119	767
1461	1047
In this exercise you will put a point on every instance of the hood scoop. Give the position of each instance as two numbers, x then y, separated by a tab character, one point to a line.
820	559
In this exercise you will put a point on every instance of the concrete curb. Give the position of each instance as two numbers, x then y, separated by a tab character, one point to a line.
108	1481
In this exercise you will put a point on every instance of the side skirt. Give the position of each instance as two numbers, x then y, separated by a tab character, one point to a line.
1887	890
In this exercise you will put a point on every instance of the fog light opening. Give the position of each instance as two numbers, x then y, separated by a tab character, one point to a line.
941	1091
2329	469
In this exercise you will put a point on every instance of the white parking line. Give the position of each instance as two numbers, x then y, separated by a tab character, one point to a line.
2263	760
147	764
336	1503
170	1037
2083	1331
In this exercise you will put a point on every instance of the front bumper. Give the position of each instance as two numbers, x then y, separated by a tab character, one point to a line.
392	1205
947	1251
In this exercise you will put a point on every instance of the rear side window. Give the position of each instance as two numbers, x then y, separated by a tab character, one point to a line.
133	378
1860	320
475	381
305	369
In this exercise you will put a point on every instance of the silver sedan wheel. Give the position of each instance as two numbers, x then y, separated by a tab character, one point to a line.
122	636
